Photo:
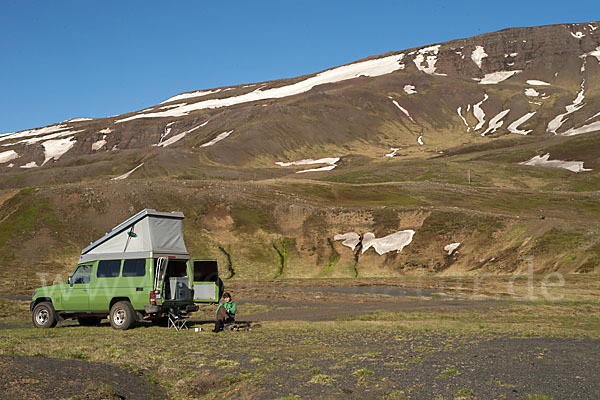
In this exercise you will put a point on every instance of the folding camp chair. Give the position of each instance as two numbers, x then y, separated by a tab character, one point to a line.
176	321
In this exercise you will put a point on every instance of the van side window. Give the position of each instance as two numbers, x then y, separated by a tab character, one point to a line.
108	268
135	267
82	274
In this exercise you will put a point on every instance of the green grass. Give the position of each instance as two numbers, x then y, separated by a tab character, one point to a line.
349	195
443	223
557	241
250	219
333	260
549	319
321	379
538	397
361	373
22	216
15	310
283	248
448	373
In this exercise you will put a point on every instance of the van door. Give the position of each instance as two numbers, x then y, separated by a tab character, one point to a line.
160	269
105	285
75	296
207	285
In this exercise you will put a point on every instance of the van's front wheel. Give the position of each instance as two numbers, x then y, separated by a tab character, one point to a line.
122	315
44	316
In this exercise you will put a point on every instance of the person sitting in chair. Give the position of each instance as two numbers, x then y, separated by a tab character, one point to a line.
225	312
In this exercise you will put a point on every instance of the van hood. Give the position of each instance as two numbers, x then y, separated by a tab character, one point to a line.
48	291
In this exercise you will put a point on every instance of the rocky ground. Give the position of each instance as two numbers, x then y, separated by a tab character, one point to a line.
24	377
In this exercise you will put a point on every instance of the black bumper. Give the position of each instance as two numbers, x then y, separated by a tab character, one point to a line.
153	309
31	305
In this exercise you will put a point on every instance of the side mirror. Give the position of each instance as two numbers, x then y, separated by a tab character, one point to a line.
70	280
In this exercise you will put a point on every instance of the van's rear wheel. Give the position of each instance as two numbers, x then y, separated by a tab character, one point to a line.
89	321
44	316
122	315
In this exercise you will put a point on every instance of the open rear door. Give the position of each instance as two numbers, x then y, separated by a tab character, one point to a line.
207	285
159	276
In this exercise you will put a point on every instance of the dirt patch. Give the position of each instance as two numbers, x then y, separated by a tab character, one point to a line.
7	195
42	378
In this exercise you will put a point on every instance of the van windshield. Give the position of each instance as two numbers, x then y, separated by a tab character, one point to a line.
82	274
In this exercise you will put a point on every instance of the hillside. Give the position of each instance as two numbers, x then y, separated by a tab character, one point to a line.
478	155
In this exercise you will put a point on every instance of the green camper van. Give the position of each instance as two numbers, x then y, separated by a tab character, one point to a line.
141	270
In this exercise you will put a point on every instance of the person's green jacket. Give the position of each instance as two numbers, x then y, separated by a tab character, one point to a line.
231	307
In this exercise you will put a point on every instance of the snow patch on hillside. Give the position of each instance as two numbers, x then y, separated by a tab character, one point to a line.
78	119
420	140
459	111
105	130
198	93
534	82
179	136
479	113
451	247
369	68
497	77
594	53
31	164
166	132
393	153
54	149
172	106
394	242
309	161
577	104
7	156
34	132
594	126
577	35
496	122
513	127
410	89
404	110
99	144
478	55
220	137
593	116
531	92
544	161
37	139
126	175
429	56
350	239
326	168
328	160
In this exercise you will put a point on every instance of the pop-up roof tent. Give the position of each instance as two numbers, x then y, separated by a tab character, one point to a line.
147	234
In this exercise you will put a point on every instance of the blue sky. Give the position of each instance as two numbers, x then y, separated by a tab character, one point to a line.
68	59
